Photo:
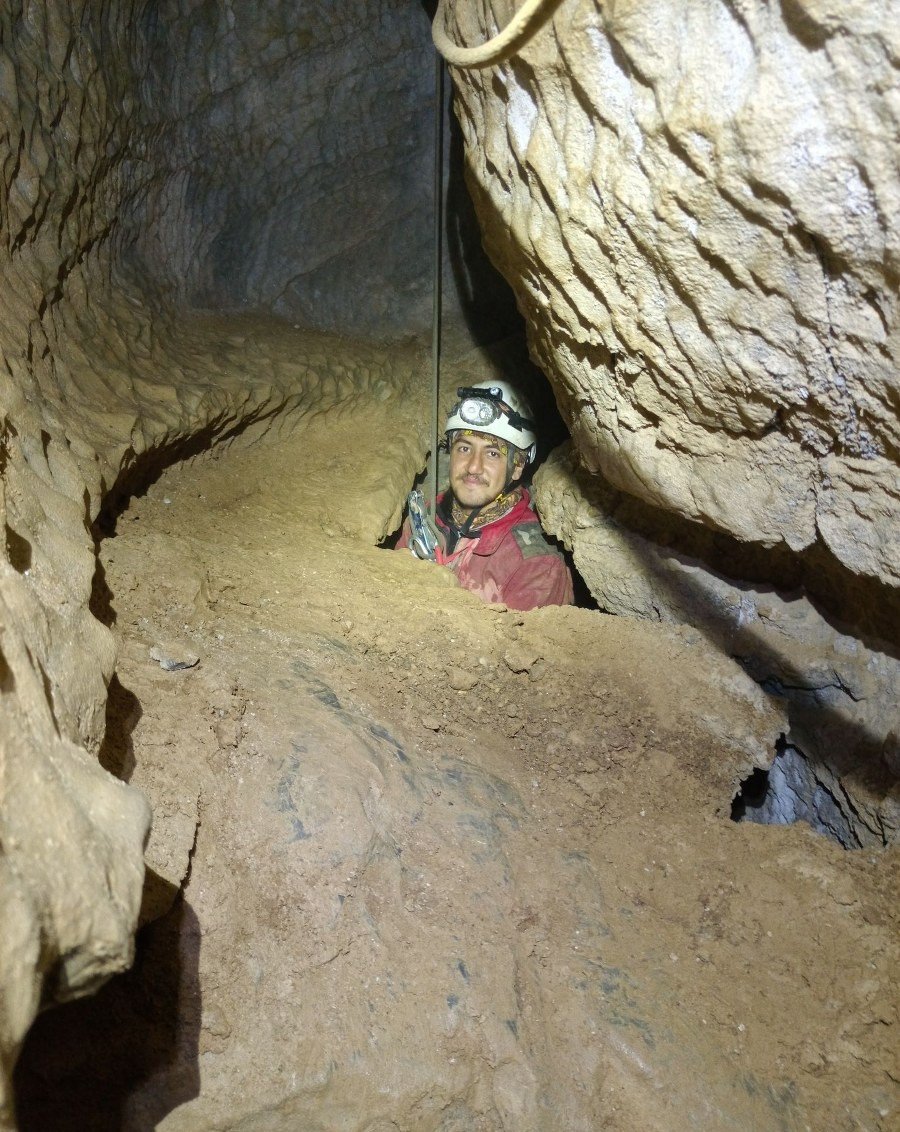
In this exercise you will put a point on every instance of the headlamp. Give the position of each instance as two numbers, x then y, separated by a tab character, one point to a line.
474	411
479	407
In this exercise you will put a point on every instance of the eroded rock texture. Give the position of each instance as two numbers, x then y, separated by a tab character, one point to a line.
71	868
694	204
840	689
694	212
98	386
290	154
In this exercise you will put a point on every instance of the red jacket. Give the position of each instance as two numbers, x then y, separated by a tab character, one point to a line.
510	561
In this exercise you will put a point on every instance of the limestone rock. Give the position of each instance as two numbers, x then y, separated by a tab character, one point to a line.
696	208
840	691
708	280
520	658
99	386
173	657
312	187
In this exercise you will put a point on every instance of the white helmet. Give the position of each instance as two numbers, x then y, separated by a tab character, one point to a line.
495	409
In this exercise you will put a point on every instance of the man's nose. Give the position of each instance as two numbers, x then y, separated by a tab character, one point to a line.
476	461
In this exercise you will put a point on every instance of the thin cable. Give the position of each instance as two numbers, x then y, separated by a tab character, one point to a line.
436	286
505	43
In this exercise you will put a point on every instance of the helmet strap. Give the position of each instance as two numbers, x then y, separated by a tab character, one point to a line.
513	455
458	531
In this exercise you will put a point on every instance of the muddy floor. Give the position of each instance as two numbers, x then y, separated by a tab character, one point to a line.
421	863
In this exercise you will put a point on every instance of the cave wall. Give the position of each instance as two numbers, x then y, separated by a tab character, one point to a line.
694	205
837	682
103	379
692	208
71	865
291	154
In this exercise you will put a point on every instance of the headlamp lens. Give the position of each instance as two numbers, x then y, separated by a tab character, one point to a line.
474	411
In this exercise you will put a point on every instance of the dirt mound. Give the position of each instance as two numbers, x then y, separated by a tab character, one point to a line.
446	865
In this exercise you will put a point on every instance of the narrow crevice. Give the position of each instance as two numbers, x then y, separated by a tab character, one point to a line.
792	790
127	1056
123	712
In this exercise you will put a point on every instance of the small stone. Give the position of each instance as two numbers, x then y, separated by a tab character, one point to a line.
430	723
520	659
173	659
461	680
216	1022
590	784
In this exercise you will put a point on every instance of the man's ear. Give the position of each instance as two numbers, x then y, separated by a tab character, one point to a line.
518	469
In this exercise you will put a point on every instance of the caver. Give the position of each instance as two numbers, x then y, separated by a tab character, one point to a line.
485	529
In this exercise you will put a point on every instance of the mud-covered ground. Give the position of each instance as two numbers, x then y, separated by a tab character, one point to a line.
446	866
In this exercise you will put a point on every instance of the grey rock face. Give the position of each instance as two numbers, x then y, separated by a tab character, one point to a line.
695	207
290	148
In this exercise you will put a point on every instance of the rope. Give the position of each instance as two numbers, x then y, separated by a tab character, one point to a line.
436	293
504	44
520	28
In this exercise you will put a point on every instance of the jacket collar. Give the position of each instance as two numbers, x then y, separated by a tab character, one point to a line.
488	537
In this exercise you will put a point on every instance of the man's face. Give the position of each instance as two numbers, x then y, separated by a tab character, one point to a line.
478	468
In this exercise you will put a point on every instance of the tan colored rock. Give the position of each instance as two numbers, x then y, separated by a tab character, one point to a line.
461	679
97	388
81	865
696	208
521	658
729	317
840	692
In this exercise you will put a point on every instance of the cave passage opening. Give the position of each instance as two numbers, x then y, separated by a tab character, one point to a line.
302	190
791	790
